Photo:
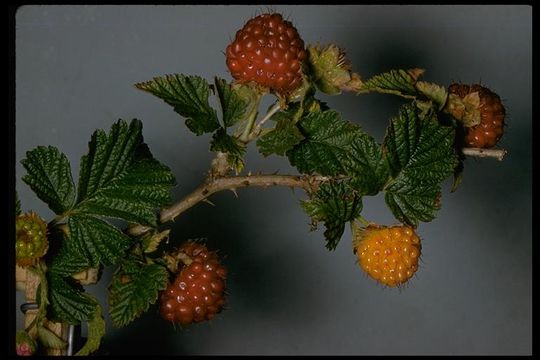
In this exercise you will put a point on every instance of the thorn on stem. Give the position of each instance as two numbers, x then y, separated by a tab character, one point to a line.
208	202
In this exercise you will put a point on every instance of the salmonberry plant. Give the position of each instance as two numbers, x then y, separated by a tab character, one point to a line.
337	163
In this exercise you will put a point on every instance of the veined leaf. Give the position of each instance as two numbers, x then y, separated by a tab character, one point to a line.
335	204
132	292
98	241
189	97
108	157
67	261
397	82
325	149
49	176
96	331
369	169
233	106
68	303
420	156
281	139
133	194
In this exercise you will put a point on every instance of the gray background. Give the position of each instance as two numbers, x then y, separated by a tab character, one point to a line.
75	66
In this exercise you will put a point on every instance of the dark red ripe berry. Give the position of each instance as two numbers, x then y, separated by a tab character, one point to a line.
492	113
268	51
198	291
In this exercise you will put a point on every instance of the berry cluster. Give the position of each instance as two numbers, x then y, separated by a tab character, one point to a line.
268	51
198	291
388	254
492	113
31	242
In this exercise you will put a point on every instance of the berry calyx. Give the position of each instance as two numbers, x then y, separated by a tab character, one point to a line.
388	254
332	70
31	238
25	345
268	51
489	112
198	290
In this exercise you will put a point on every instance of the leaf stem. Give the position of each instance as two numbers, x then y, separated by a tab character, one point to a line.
257	130
251	120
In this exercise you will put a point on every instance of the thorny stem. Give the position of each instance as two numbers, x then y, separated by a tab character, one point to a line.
478	152
214	185
308	183
217	180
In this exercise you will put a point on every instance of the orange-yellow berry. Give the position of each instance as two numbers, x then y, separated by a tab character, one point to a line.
388	254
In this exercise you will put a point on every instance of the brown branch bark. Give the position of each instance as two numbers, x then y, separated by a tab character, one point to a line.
478	152
215	184
308	183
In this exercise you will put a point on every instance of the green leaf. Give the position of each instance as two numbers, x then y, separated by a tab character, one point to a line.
68	261
233	105
49	176
98	241
225	143
369	169
49	339
135	193
67	302
108	157
325	149
189	97
420	156
335	204
397	82
132	292
17	205
281	139
96	331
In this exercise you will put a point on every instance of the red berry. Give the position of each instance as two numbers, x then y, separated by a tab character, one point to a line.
269	51
492	113
25	344
198	291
